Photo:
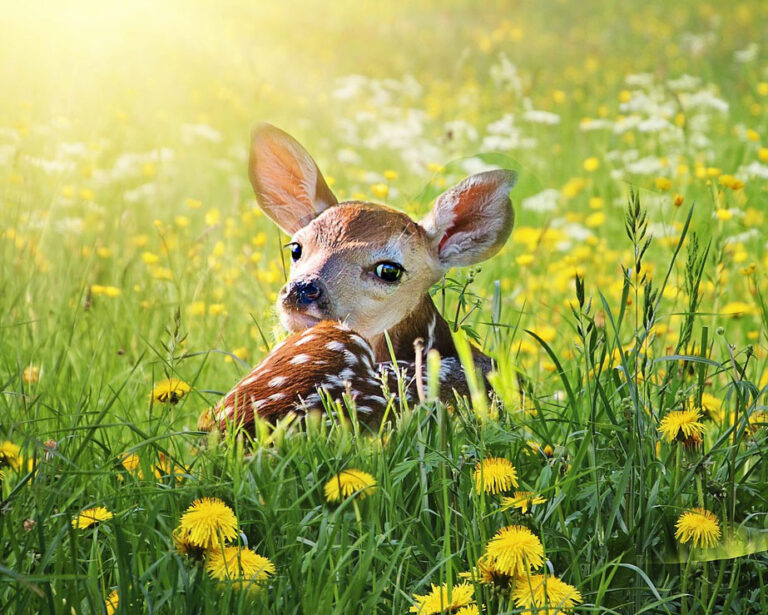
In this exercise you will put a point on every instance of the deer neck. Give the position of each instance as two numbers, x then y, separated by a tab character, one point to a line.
423	322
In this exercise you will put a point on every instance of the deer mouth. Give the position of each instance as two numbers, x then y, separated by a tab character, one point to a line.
298	320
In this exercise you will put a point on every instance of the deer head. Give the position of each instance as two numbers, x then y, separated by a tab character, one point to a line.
367	264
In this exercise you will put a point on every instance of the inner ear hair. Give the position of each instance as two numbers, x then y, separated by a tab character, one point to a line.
470	222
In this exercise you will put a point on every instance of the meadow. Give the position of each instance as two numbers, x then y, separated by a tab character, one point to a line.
621	468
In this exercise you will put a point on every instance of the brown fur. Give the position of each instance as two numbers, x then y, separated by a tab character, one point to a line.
330	356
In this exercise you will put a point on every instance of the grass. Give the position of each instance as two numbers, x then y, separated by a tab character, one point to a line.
633	286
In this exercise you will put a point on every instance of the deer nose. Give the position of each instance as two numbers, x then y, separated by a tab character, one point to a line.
307	292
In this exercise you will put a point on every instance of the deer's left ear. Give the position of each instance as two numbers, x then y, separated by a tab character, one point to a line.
470	222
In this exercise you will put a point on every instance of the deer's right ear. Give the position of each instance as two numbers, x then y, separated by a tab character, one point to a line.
470	222
289	187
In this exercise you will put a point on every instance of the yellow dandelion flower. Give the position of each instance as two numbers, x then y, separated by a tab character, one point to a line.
663	183
723	214
112	602
170	390
711	407
380	191
183	544
736	309
10	454
239	564
681	425
91	517
212	217
524	500
150	258
729	181
164	468
494	475
208	521
471	609
31	374
699	526
757	420
591	164
544	451
348	482
437	601
538	590
485	572
524	259
514	550
132	463
106	291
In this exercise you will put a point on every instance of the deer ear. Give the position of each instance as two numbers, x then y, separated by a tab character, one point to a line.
289	187
470	222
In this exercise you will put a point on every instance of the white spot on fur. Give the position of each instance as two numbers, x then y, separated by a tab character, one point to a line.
335	346
350	358
365	409
277	381
305	338
299	359
248	380
276	397
333	382
342	326
346	374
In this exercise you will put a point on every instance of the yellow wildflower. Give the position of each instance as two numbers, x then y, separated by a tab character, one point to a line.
539	590
524	500
494	475
735	309
112	602
515	550
699	526
437	601
10	453
170	390
681	425
242	565
107	291
711	407
347	483
90	517
207	522
729	181
31	374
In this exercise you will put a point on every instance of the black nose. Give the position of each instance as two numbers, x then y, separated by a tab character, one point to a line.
307	292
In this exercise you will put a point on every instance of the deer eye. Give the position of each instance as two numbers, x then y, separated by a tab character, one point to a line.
389	271
295	250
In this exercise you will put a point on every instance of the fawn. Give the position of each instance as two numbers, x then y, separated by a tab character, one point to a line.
359	269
